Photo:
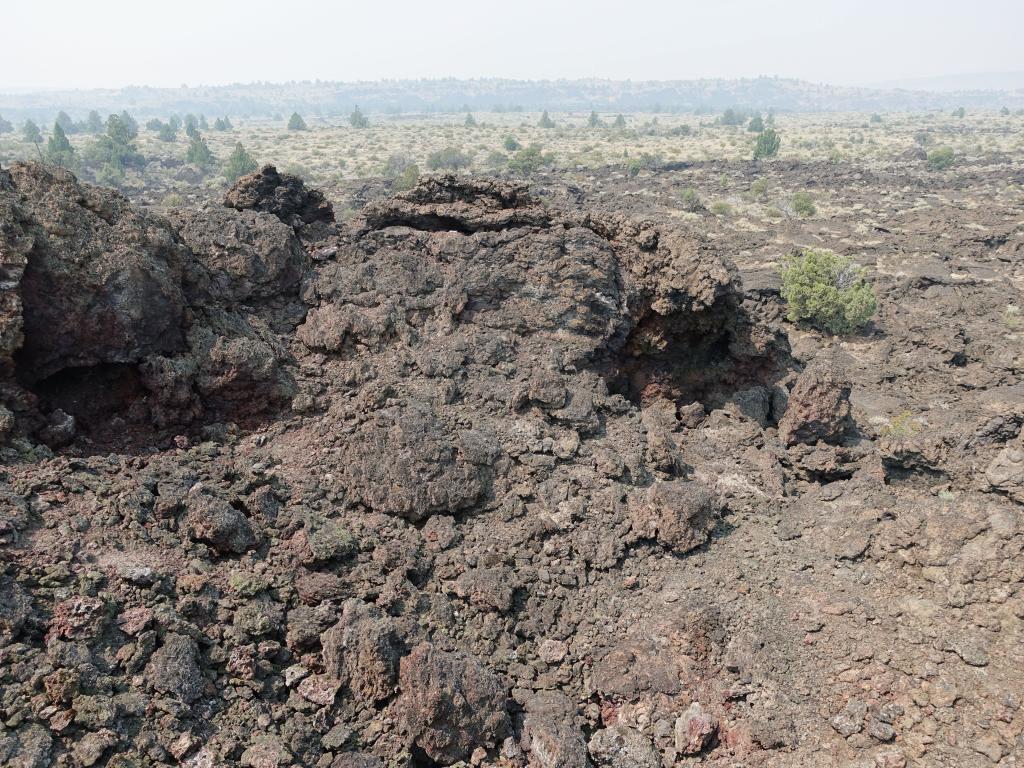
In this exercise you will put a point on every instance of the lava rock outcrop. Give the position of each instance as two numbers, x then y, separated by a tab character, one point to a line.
385	495
281	194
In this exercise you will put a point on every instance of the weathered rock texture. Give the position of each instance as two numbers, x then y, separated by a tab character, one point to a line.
281	194
441	494
110	312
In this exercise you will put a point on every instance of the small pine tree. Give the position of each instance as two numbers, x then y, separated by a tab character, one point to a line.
203	125
30	132
191	121
620	122
94	123
66	123
218	125
296	123
59	150
167	133
6	126
130	125
959	112
227	123
358	119
768	143
756	124
470	120
546	121
118	130
593	121
199	153
239	163
511	145
732	117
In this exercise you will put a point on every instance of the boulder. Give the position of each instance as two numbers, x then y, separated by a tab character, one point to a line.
819	406
450	703
281	194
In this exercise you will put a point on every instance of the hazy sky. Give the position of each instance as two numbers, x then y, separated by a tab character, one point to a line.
108	43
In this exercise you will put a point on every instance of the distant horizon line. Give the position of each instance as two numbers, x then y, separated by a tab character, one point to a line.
891	84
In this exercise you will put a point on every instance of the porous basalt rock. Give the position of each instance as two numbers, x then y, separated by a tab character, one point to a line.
106	307
450	703
102	281
281	194
818	407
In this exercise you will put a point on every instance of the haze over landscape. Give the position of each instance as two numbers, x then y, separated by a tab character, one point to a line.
531	385
104	45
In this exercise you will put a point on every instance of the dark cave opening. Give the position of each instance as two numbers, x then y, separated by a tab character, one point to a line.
707	361
95	394
108	402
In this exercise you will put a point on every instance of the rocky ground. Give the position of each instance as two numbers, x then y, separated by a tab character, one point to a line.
509	477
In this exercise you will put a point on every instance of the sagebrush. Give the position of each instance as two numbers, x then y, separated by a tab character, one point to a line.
827	290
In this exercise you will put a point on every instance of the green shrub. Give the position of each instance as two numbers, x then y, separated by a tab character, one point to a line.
529	159
756	124
940	159
759	188
690	201
827	290
110	175
768	143
470	120
511	145
496	160
396	164
721	208
296	123
732	117
448	159
546	121
406	179
803	204
167	132
646	162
